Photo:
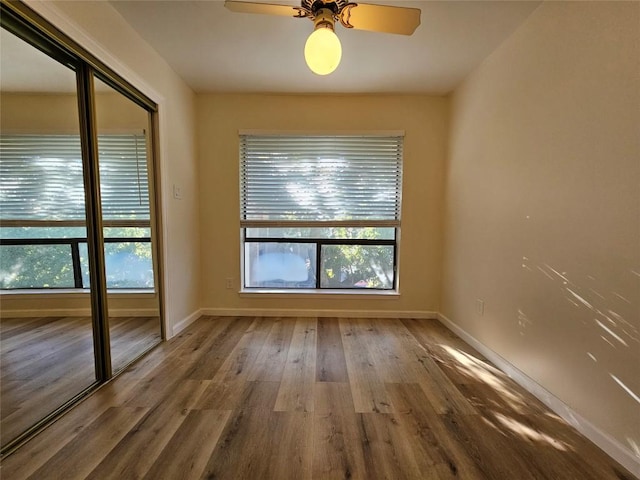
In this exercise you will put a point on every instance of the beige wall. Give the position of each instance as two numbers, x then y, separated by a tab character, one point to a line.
58	113
39	113
98	27
424	120
543	208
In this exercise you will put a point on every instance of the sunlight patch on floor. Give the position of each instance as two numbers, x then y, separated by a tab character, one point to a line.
474	368
529	433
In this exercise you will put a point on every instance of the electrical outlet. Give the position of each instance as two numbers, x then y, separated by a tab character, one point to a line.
177	192
480	307
229	283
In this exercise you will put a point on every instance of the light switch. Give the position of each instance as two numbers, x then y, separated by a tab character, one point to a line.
177	192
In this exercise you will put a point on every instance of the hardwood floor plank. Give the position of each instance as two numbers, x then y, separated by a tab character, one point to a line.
190	339
20	352
222	395
298	379
440	391
242	451
27	405
468	370
40	449
337	448
130	336
551	446
382	343
78	457
215	351
387	452
142	445
429	435
193	360
434	336
157	384
242	357
510	448
331	365
367	388
12	327
489	393
39	331
265	445
291	445
186	455
269	366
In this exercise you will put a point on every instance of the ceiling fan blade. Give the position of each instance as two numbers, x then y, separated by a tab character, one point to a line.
381	18
264	8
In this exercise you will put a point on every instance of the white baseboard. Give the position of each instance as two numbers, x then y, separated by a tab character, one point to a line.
78	312
134	312
49	312
612	447
270	312
184	323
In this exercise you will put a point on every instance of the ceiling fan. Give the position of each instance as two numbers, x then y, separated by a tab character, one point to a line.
323	51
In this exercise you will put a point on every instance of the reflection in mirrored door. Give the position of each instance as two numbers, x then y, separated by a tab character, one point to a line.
126	189
46	333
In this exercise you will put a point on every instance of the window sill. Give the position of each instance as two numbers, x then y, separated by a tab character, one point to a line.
65	292
315	293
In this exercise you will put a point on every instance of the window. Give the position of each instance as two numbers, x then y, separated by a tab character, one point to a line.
320	212
42	210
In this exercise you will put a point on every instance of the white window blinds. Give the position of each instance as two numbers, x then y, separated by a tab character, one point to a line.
320	179
41	177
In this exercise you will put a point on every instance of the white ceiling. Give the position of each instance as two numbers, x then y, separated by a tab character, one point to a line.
216	50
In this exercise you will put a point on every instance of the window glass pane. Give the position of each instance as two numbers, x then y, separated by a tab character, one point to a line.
128	232
357	266
280	265
84	264
42	232
128	265
367	233
36	266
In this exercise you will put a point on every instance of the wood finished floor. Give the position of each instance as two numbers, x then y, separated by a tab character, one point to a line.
264	398
45	361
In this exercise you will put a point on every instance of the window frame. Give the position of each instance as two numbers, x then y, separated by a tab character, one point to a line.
319	241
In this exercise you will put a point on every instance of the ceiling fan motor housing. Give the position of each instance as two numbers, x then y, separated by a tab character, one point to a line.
314	6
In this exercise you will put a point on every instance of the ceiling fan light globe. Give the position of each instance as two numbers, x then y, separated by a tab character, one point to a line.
323	51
